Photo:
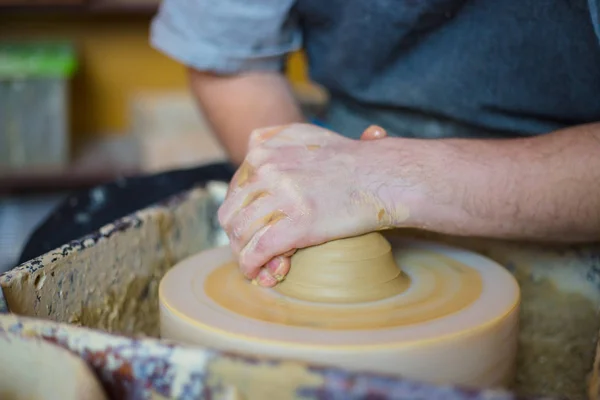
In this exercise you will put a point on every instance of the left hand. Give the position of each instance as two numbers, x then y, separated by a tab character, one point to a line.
301	185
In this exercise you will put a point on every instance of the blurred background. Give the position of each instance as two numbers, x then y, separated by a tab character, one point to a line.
85	100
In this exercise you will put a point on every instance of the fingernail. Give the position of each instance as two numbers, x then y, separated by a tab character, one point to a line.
265	278
273	265
277	268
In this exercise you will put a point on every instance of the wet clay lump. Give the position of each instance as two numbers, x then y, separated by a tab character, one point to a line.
351	270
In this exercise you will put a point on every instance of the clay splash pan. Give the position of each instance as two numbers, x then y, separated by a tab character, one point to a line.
98	298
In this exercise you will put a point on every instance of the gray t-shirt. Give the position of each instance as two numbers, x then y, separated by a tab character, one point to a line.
427	68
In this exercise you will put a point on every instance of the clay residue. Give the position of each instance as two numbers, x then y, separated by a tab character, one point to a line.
111	284
274	217
556	341
268	133
244	173
252	197
132	309
269	219
232	379
394	213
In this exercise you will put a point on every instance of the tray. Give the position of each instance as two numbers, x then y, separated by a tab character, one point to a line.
97	297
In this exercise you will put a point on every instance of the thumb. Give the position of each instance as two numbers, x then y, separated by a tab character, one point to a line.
373	132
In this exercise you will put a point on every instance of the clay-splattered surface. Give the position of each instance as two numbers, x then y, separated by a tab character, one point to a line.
109	279
152	369
3	303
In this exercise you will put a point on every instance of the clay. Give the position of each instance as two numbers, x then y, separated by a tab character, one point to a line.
35	369
351	270
453	307
284	380
252	197
244	174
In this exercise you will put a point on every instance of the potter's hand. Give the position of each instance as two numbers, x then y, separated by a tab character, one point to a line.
301	185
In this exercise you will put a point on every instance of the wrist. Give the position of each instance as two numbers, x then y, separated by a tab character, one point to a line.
396	174
427	182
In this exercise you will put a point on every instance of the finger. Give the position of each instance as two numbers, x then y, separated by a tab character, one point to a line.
373	132
289	253
274	271
242	177
238	201
278	267
268	242
248	221
255	226
265	279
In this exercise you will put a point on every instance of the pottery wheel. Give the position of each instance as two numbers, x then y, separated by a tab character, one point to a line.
430	312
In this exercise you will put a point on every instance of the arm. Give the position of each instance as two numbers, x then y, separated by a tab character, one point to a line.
237	104
240	46
542	188
305	185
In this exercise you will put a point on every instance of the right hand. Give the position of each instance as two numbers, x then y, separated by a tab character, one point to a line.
301	185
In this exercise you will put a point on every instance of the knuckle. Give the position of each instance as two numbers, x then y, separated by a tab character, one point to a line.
258	155
241	224
235	245
265	133
225	219
247	265
257	133
221	216
268	169
255	136
236	233
262	245
247	270
256	251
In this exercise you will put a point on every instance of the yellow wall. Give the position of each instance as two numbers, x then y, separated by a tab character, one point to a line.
115	61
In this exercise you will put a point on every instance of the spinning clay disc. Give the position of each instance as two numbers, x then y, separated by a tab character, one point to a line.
420	310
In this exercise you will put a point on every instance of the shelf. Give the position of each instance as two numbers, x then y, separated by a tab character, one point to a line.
35	183
123	6
100	161
80	6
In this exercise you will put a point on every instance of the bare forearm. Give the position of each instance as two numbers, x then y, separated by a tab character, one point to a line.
236	105
542	188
